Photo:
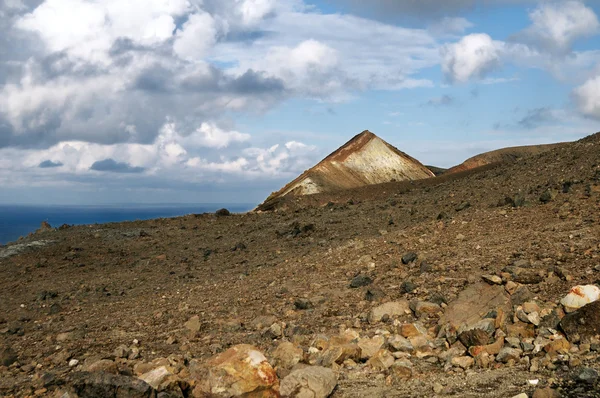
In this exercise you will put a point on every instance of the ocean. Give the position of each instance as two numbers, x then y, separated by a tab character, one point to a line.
20	220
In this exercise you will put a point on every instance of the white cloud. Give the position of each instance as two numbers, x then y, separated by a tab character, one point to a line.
197	37
253	11
556	25
87	30
587	97
473	56
450	26
209	135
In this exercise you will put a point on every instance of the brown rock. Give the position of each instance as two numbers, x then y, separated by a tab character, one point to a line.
240	370
520	329
381	361
7	356
559	345
287	355
193	325
584	322
473	303
527	276
409	330
369	347
546	393
465	362
426	308
309	382
401	369
474	337
391	309
103	365
491	349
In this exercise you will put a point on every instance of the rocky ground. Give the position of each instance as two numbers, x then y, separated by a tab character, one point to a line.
446	287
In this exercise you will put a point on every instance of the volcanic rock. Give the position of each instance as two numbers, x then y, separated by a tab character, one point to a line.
106	385
585	322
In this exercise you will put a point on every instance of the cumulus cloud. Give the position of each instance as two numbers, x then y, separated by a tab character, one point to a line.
115	167
587	97
48	164
473	56
556	25
196	37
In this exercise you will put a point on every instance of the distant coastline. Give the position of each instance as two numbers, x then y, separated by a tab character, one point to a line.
20	220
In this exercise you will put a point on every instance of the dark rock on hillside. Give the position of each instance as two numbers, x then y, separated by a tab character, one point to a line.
584	322
360	280
223	212
409	258
106	385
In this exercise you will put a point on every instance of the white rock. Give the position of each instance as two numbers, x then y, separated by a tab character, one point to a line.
579	296
73	362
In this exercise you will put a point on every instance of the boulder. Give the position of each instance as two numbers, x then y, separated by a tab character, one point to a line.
240	370
106	385
370	346
391	309
474	302
584	322
381	361
309	382
103	365
287	355
579	296
7	356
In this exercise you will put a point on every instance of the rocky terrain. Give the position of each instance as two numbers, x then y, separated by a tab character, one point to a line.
501	156
461	285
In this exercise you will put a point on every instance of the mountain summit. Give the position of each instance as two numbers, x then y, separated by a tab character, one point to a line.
364	160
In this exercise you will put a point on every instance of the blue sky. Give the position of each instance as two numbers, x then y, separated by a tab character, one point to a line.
104	101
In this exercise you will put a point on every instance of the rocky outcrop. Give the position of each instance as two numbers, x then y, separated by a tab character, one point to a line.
364	160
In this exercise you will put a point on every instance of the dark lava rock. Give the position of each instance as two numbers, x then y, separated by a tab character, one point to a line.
527	276
566	187
474	337
521	295
374	293
7	356
303	304
584	322
587	375
407	287
425	267
106	385
463	206
223	212
359	281
409	257
546	197
238	246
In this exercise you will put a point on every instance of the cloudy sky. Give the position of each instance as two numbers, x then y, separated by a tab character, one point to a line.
112	101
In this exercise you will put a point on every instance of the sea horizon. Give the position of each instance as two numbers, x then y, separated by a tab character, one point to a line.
18	220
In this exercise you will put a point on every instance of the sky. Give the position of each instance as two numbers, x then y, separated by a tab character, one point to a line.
224	101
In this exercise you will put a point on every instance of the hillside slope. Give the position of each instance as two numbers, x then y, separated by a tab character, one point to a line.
501	155
364	160
174	292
